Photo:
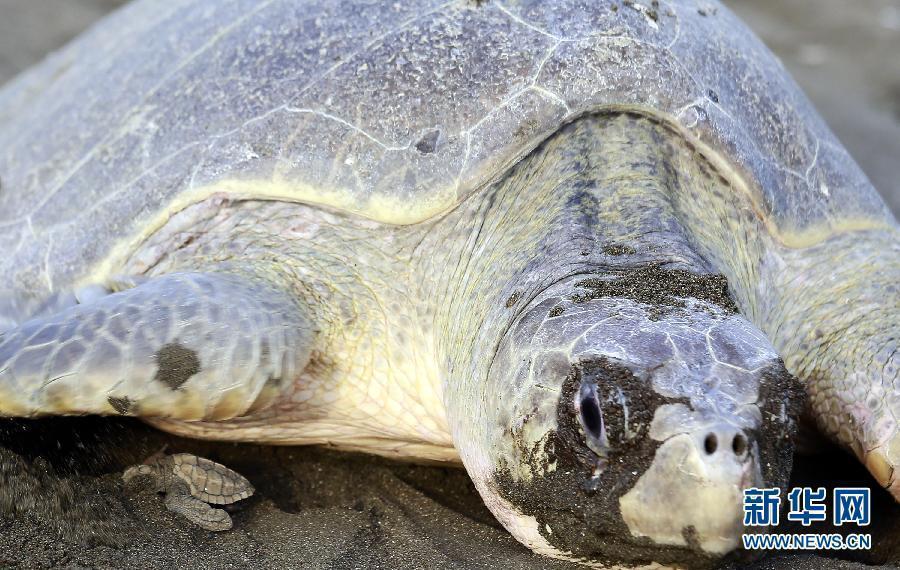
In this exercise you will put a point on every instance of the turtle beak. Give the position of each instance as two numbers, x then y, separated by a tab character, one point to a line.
692	493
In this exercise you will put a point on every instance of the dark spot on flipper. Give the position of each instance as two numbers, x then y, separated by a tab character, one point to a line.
513	299
428	143
556	311
121	405
176	364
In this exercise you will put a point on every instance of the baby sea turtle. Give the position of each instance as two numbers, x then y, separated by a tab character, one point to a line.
566	243
191	484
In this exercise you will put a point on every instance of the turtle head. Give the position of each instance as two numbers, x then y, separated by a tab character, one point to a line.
627	430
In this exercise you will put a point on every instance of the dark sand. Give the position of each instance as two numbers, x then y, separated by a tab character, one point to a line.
61	500
62	504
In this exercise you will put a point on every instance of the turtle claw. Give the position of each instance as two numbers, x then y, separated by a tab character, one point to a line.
879	467
884	465
191	484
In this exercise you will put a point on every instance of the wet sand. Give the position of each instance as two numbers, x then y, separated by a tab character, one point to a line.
62	503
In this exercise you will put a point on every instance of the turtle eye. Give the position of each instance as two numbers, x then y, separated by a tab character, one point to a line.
591	417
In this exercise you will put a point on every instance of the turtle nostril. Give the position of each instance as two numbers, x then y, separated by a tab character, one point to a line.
710	443
739	444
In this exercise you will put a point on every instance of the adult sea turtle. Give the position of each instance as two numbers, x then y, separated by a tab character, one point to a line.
565	243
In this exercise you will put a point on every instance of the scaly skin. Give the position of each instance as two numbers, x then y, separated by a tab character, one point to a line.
837	309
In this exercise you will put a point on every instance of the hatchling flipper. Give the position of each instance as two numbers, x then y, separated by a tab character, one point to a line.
191	484
198	512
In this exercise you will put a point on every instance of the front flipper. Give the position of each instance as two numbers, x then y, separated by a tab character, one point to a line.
189	346
198	512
